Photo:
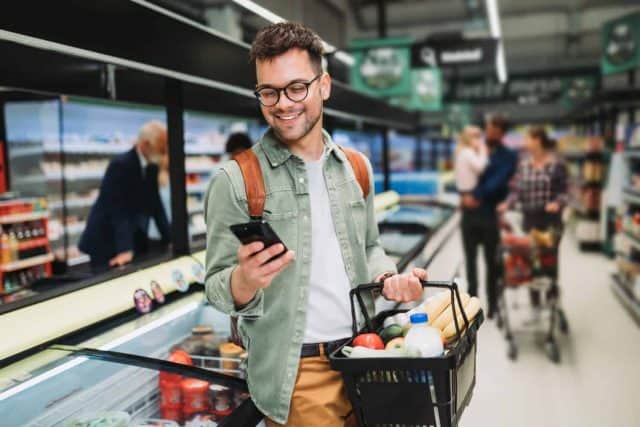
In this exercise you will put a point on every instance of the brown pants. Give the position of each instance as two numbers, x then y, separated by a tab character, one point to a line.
319	397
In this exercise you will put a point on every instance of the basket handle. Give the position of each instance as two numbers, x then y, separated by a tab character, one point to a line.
451	285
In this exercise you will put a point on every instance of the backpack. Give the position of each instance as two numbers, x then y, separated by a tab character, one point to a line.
256	194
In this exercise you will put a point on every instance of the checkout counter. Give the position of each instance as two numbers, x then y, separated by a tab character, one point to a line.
60	387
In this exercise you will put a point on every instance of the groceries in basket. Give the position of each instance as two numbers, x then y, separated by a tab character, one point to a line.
431	326
423	340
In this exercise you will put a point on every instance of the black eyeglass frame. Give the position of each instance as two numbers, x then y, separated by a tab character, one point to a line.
284	89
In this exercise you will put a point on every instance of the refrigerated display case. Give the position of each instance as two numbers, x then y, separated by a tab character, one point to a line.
205	139
406	228
368	143
60	149
70	386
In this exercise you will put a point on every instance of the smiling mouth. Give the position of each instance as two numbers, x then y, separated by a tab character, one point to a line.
288	117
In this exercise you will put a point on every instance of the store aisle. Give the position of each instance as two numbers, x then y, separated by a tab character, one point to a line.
597	379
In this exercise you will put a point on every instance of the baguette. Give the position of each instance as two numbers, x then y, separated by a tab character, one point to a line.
435	305
446	316
471	309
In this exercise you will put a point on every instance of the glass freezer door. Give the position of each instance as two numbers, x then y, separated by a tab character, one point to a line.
94	388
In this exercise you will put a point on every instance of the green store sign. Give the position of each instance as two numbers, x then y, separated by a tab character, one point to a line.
426	92
621	44
382	66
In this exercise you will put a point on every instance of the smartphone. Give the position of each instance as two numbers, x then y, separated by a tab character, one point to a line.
258	231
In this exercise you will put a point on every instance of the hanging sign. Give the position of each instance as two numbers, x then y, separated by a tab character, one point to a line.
382	66
453	53
621	44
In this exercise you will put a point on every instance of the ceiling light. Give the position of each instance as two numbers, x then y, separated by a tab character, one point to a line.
496	33
274	19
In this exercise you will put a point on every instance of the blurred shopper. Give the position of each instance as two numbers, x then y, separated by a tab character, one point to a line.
471	159
117	230
540	188
237	143
480	225
164	189
294	312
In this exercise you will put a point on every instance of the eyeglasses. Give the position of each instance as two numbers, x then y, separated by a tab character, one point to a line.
295	91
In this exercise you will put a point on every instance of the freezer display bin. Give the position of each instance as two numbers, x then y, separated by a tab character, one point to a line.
406	228
128	382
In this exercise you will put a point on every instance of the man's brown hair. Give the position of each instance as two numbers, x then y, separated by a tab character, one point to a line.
276	39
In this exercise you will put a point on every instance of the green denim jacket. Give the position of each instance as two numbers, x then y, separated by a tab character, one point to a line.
272	325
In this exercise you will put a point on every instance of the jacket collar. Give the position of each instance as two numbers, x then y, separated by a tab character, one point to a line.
277	153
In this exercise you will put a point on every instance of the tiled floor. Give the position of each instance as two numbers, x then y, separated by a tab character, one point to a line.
598	379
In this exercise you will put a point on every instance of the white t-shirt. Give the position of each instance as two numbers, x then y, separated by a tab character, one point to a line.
328	309
469	166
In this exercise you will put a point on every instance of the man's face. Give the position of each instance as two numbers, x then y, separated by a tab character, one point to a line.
493	134
156	150
292	121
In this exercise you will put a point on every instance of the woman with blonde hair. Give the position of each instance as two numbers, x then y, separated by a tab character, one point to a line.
471	159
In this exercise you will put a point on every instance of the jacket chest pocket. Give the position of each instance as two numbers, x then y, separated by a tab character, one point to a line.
283	223
358	211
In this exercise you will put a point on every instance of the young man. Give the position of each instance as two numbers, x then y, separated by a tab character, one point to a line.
294	310
479	217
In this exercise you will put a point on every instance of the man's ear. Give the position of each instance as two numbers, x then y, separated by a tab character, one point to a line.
325	86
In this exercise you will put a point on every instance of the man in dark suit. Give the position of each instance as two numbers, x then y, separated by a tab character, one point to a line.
117	228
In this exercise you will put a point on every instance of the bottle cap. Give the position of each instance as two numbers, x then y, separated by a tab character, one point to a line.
419	318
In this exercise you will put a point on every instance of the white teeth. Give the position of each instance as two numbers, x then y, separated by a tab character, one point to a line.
288	117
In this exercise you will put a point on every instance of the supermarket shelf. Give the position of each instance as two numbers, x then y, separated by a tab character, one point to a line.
89	148
197	232
32	216
72	204
25	152
197	188
81	259
69	176
201	150
76	228
578	156
597	184
589	214
13	291
196	210
632	195
202	169
26	263
622	291
635	241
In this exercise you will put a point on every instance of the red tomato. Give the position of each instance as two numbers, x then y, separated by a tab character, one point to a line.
369	341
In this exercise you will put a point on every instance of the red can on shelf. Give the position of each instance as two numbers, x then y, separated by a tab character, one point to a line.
170	394
171	414
177	356
195	396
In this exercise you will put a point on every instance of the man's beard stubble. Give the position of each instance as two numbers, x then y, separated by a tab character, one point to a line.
308	127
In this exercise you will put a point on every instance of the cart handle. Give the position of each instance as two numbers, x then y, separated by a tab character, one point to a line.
451	285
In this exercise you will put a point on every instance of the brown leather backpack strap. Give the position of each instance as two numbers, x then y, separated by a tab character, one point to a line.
253	181
359	167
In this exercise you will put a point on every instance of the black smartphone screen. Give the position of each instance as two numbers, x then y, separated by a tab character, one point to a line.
257	231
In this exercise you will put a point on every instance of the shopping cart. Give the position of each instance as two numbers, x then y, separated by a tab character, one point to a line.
531	261
411	391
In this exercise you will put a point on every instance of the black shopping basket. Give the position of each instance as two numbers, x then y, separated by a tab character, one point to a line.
410	391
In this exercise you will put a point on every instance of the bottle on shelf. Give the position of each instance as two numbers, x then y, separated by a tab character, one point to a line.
13	245
5	249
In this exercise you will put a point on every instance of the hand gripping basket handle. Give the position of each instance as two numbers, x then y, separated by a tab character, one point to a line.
357	292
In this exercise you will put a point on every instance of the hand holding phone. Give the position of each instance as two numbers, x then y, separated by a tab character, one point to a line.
258	231
260	259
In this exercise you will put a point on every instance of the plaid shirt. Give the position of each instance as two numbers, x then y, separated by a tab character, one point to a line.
533	188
